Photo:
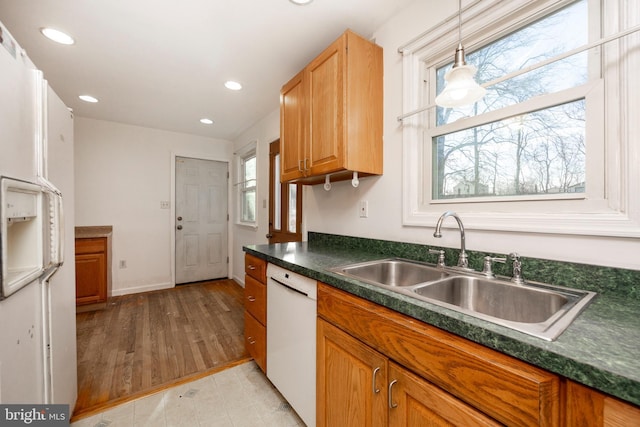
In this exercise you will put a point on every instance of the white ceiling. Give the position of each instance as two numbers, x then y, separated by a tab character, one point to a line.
163	64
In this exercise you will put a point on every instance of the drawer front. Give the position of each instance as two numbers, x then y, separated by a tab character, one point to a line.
255	340
255	267
509	390
255	298
91	246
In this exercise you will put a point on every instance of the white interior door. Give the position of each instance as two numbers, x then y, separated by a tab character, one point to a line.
201	224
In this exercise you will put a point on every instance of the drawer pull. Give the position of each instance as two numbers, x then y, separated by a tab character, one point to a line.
391	404
251	267
251	340
251	298
373	381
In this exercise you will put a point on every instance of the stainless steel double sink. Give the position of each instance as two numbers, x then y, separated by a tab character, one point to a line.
537	309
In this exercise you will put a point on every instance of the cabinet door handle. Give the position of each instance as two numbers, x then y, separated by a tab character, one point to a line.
251	298
373	381
251	267
251	340
300	168
391	404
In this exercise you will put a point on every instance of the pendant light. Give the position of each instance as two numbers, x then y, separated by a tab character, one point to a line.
461	88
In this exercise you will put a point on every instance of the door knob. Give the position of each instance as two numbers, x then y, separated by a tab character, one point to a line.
268	236
179	218
179	227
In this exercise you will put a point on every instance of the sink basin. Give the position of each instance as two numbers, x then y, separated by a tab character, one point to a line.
392	273
502	300
537	309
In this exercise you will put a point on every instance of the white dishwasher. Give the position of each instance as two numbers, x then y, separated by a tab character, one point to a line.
291	339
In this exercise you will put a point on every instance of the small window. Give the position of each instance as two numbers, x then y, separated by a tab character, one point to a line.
247	187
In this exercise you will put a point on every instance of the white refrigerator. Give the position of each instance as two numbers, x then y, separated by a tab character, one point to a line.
37	274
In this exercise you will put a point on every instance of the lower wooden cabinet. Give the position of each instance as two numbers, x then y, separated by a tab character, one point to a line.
255	304
439	377
255	336
587	407
91	270
377	367
359	386
351	386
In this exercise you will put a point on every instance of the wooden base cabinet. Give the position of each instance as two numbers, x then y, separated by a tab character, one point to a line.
430	377
255	315
91	270
357	386
351	389
587	407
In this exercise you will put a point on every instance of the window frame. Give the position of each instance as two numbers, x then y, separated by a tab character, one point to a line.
249	152
607	210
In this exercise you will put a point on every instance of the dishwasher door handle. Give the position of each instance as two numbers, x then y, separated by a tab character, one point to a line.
290	287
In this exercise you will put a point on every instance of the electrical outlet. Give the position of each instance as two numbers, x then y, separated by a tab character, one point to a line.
123	263
364	209
165	205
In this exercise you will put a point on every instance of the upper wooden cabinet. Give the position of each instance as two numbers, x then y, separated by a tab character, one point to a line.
331	114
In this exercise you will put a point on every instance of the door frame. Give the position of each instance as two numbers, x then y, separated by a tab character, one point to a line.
172	219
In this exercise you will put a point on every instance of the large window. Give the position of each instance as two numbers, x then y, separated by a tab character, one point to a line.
537	150
547	147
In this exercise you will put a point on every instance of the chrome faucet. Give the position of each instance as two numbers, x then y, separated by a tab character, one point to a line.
463	261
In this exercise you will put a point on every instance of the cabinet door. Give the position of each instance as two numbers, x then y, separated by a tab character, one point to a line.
351	381
293	129
325	80
585	406
255	337
91	278
414	401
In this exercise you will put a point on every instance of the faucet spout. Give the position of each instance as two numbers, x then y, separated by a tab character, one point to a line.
463	261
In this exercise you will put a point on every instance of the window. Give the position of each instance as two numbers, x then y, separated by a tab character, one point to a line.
544	150
247	186
285	203
536	148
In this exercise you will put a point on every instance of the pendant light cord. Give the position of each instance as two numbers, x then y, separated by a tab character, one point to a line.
460	21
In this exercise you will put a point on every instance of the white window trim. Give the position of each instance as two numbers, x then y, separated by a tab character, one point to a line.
248	150
619	214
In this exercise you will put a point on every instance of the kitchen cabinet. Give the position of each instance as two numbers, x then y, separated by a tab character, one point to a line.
587	407
360	386
351	387
331	114
91	270
450	376
255	315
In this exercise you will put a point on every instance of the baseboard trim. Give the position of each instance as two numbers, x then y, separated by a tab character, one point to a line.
138	289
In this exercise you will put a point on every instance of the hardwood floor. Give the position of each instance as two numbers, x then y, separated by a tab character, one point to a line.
149	341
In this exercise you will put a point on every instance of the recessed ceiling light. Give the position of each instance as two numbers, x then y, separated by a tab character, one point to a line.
206	121
300	2
57	36
233	85
88	98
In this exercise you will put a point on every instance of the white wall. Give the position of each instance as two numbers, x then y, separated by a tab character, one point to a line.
123	172
264	132
336	211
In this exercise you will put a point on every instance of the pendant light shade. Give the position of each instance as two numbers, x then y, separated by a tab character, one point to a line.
461	87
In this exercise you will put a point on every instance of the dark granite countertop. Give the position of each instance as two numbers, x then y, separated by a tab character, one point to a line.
599	349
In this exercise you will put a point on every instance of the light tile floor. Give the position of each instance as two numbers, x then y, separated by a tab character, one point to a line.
235	397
